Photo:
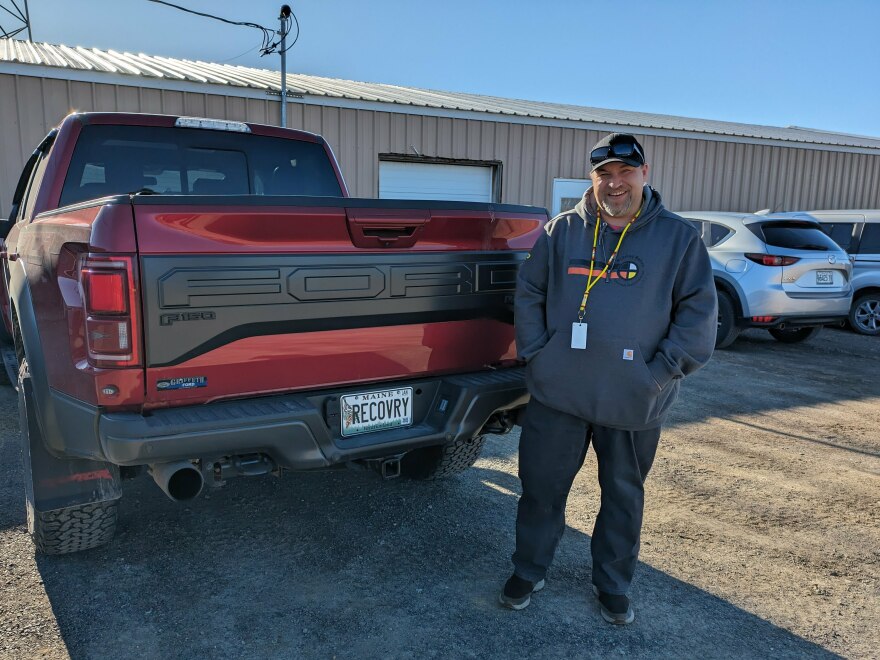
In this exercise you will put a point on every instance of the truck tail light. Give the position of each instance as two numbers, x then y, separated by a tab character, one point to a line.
771	259
109	292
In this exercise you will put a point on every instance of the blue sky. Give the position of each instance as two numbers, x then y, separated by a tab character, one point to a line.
803	63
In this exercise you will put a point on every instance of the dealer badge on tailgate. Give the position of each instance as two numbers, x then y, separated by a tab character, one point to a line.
375	411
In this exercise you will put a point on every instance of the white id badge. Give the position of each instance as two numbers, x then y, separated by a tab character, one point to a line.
578	335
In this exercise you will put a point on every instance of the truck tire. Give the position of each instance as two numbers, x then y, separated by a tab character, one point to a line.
73	528
442	461
795	335
68	529
728	331
5	336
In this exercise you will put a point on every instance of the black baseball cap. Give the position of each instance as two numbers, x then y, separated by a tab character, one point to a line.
621	147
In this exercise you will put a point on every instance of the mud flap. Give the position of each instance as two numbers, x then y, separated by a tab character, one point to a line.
53	483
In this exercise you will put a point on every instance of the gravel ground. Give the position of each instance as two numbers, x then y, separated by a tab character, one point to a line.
761	540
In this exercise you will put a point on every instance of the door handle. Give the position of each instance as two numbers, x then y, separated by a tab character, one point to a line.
11	256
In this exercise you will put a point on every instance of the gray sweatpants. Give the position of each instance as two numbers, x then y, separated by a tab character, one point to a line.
552	449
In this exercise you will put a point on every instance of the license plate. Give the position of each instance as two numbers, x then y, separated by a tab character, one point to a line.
376	411
824	277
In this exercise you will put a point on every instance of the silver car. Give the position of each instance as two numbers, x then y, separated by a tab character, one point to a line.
776	272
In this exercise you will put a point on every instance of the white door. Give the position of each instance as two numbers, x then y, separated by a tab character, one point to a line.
567	193
435	181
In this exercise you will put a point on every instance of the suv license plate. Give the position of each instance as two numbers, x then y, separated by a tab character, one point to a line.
824	277
376	411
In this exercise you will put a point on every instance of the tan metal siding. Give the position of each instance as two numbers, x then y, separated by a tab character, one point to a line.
691	174
11	156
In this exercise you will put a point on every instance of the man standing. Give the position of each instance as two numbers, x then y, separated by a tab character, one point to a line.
615	305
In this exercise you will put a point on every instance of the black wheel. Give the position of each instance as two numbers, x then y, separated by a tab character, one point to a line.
728	331
864	316
795	335
73	528
443	460
5	336
9	354
67	529
9	366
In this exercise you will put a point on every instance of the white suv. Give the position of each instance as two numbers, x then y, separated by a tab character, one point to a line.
858	232
775	272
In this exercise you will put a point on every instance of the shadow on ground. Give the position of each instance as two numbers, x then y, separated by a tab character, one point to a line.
341	564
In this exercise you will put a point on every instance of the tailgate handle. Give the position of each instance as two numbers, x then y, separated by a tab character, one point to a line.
389	233
384	230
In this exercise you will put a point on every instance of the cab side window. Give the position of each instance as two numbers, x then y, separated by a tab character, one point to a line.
33	187
21	210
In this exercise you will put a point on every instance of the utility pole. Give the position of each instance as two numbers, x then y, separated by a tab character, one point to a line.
20	14
284	18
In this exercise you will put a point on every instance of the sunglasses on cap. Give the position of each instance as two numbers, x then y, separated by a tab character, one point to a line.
619	150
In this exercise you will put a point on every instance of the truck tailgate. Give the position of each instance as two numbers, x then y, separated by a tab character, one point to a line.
250	296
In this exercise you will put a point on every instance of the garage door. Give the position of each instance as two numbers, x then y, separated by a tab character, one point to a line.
435	181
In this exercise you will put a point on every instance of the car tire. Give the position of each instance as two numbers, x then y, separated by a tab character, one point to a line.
795	335
864	315
728	331
442	461
67	529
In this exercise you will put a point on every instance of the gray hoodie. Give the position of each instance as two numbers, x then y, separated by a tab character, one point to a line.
651	320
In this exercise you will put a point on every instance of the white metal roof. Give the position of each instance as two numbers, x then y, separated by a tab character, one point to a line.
13	51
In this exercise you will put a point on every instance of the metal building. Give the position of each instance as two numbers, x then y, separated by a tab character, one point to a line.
397	141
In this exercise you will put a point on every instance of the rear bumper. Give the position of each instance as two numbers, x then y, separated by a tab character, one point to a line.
797	321
774	301
302	430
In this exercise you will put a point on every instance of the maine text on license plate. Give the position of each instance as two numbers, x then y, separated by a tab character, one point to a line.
375	411
824	277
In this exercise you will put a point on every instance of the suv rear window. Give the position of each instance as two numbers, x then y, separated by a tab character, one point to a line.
113	160
793	235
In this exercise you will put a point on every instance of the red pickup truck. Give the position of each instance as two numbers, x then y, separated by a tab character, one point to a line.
202	299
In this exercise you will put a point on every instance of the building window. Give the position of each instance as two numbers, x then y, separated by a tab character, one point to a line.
567	193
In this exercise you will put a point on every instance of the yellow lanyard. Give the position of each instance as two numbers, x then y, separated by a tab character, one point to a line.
590	281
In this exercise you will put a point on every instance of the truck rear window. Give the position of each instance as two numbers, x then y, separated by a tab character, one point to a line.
793	235
113	160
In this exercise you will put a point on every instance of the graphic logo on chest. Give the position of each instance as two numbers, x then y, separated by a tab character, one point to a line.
626	270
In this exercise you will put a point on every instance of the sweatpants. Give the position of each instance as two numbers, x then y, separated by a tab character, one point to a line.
552	448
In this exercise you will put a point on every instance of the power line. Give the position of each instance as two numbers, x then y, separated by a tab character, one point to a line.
267	47
267	33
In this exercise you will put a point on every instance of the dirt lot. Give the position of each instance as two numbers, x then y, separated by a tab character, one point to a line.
762	539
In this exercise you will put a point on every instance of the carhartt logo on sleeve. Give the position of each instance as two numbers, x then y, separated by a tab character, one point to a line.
627	354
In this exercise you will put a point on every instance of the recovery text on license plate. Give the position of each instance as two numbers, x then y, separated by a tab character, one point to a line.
374	411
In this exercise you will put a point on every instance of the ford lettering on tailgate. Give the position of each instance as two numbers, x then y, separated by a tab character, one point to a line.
199	303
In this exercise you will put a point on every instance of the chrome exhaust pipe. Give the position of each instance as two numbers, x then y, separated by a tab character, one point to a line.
180	481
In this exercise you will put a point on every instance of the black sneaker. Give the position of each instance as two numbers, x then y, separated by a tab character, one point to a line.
517	593
615	609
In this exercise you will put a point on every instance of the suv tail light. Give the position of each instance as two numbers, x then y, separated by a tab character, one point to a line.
109	292
771	259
